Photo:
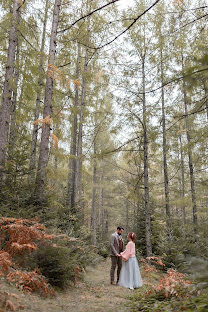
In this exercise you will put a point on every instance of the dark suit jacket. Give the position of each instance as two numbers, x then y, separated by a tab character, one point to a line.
114	244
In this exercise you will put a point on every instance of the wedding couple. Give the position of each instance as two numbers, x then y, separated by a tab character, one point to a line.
128	273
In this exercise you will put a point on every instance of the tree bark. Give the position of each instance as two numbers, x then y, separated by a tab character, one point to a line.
33	151
127	215
206	94
94	197
191	167
182	180
165	167
71	189
47	112
100	206
7	88
146	169
12	132
78	179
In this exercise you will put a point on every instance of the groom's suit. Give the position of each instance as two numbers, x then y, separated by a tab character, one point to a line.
116	246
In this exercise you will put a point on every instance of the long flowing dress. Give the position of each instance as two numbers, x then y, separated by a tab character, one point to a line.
130	276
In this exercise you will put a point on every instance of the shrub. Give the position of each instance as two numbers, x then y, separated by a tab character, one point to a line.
30	281
56	264
103	249
138	302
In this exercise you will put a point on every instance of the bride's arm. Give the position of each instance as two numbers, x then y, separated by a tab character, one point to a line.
127	252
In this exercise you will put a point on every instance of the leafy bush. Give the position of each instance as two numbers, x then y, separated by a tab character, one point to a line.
56	264
103	249
138	302
25	244
62	262
30	281
170	292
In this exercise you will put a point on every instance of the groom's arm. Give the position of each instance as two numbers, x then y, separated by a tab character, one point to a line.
112	240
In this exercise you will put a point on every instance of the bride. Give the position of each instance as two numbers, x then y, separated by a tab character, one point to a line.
130	276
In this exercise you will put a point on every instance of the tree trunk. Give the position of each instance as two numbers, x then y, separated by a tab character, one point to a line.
182	181
146	169
191	167
78	180
7	88
206	101
127	216
47	112
33	151
94	197
13	109
71	189
100	205
165	167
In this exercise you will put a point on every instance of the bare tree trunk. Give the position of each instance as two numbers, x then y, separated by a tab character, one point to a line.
33	151
106	222
103	214
7	89
71	189
146	169
182	181
127	215
100	204
47	112
94	197
191	167
206	94
165	167
13	109
78	180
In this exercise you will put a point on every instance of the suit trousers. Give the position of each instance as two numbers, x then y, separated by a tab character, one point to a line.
115	261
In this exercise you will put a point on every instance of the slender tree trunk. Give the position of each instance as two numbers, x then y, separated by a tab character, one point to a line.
100	205
206	102
103	214
165	167
127	215
12	129
33	151
182	181
146	169
191	167
7	88
47	112
106	222
71	189
94	197
78	180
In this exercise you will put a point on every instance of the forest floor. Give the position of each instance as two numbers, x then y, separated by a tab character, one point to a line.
92	294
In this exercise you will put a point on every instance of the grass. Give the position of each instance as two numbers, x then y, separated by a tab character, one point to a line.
94	293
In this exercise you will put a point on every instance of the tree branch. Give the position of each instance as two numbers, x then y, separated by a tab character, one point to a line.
175	80
87	15
125	30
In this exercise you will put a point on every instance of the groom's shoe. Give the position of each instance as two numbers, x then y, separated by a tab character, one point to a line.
113	283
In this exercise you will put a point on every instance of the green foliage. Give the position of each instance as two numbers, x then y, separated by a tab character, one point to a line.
139	302
194	299
56	264
62	262
103	249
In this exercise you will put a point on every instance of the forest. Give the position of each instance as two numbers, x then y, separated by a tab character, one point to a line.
104	122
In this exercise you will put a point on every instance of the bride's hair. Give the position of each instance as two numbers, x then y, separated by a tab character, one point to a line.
132	236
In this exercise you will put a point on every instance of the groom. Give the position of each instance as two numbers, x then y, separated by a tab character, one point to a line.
116	246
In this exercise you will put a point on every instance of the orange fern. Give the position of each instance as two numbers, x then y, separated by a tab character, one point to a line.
5	262
30	281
